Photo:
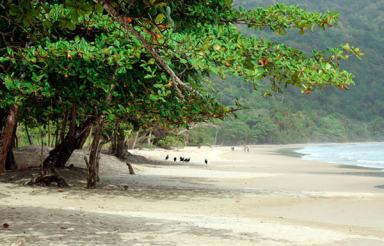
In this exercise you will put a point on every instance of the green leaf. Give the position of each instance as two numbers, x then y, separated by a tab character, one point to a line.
160	18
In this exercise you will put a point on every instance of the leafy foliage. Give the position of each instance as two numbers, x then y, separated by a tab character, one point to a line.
148	62
328	115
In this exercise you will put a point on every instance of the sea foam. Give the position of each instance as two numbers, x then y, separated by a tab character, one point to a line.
356	154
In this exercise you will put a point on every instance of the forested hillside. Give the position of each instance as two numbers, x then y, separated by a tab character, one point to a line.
330	115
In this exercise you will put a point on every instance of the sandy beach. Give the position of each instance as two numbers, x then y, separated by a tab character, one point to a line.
258	197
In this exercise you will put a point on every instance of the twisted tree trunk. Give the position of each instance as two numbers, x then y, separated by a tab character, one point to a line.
94	155
74	139
59	156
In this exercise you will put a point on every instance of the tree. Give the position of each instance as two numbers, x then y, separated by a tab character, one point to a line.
146	62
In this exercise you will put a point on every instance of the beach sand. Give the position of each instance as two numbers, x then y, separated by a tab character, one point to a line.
258	197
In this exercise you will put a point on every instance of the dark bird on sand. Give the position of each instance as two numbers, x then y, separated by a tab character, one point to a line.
187	159
206	161
174	159
166	158
181	158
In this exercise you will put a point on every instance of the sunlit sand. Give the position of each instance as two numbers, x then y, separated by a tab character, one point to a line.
252	198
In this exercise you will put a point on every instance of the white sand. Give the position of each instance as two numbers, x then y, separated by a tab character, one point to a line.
255	198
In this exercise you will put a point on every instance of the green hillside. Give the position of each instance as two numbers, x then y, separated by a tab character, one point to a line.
330	115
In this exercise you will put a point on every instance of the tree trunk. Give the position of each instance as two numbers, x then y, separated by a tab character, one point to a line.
3	116
121	145
92	165
136	137
63	127
186	139
114	139
56	142
72	120
11	163
83	138
49	135
62	152
150	137
28	135
98	162
8	124
94	155
60	155
15	143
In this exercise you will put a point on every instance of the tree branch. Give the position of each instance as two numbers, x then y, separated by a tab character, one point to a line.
175	79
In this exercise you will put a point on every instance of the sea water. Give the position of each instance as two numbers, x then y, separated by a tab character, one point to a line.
355	154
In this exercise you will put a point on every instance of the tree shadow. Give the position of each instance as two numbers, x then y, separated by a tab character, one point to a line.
144	187
39	226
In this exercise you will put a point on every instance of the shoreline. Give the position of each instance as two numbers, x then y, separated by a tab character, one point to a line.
292	152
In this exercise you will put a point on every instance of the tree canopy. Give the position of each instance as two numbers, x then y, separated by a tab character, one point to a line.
149	62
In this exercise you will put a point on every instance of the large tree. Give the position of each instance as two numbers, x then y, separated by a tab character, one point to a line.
146	62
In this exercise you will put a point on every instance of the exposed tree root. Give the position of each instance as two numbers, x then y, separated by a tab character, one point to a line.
46	179
130	168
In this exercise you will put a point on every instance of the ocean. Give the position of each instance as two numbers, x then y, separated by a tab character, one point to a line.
355	154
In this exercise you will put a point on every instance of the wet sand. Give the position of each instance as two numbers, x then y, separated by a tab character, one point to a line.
240	198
